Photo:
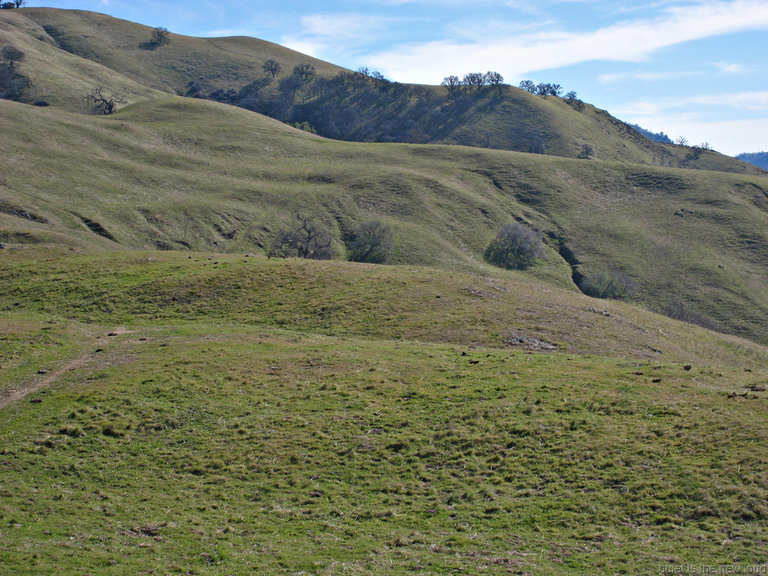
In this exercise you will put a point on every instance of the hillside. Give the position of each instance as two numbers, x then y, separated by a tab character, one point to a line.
221	414
174	401
177	173
70	52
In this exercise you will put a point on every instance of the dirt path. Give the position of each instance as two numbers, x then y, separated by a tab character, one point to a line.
99	357
9	396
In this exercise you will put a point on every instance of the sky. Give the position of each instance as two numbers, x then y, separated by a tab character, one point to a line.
689	68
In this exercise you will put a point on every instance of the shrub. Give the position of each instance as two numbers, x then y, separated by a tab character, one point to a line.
613	285
515	247
160	36
307	240
373	242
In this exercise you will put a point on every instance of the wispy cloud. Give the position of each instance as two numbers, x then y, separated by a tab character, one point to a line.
629	41
326	34
732	68
755	101
730	137
644	76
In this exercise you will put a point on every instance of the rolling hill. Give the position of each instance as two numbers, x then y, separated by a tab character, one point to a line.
173	401
228	414
180	173
69	52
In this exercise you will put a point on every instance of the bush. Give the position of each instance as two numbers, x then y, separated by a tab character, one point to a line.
307	240
613	285
160	36
373	242
515	247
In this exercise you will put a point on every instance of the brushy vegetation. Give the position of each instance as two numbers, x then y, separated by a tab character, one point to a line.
515	247
373	242
608	285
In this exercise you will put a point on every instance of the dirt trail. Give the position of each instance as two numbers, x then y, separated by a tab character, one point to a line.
9	396
100	356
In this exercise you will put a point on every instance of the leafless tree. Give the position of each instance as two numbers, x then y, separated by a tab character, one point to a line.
307	240
493	78
101	103
373	243
12	56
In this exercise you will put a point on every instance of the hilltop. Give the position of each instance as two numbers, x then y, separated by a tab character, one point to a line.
70	52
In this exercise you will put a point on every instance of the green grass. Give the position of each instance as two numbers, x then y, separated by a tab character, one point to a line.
267	451
172	173
223	414
346	299
185	174
171	401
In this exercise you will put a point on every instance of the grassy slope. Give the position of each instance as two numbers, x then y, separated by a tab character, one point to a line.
97	50
223	414
180	173
74	39
217	430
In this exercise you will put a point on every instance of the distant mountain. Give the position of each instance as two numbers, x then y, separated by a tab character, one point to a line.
759	159
654	136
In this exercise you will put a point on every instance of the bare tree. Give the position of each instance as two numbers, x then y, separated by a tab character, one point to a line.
306	240
473	80
452	83
272	67
493	78
373	243
13	56
101	103
304	71
528	86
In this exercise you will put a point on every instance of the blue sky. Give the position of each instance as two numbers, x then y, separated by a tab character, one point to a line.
696	68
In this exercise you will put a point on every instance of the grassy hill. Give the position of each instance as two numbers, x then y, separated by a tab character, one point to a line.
70	52
222	414
173	401
175	173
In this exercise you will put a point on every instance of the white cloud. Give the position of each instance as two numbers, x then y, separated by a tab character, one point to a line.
747	101
696	118
644	76
629	41
732	68
729	137
324	35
